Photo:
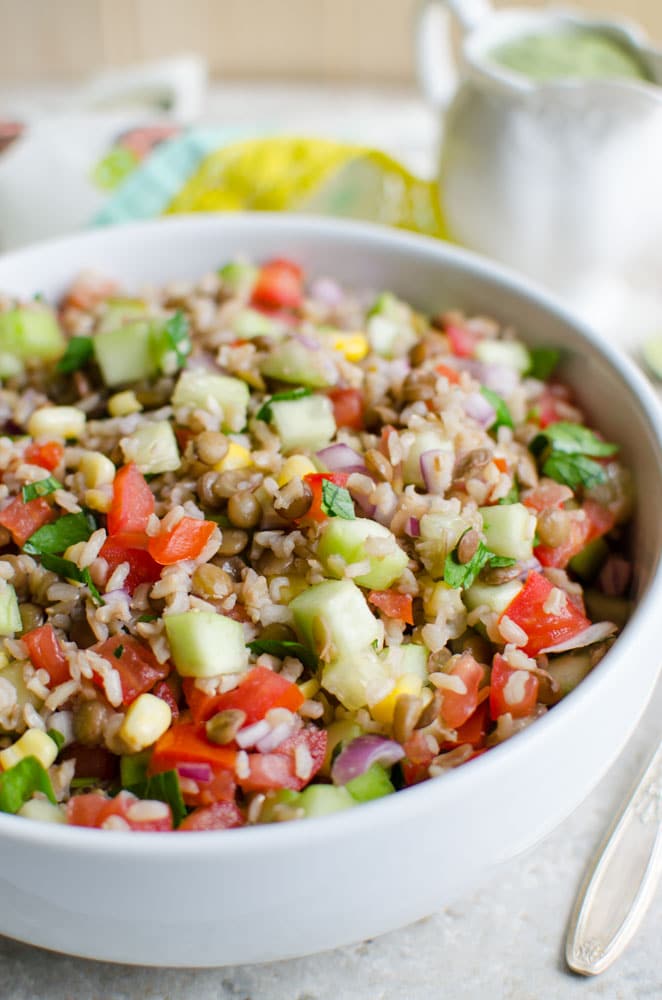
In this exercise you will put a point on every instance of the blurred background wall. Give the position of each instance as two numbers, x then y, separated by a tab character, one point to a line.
348	40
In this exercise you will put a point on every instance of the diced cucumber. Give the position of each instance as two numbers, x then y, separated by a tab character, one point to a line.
10	365
409	658
10	618
118	312
354	678
284	796
238	278
124	353
372	784
351	541
249	323
568	670
305	424
13	672
322	800
333	619
439	534
389	327
43	810
204	644
425	440
602	608
31	332
509	530
588	563
153	448
511	353
133	767
221	393
496	598
293	362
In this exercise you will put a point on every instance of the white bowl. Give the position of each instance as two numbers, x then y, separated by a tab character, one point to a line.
278	891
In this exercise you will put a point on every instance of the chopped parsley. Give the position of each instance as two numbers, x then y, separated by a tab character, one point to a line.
462	575
165	788
58	536
40	489
283	648
336	501
502	413
543	362
565	452
77	355
266	413
118	651
57	737
69	570
176	339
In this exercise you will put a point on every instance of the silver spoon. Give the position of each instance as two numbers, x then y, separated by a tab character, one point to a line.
621	879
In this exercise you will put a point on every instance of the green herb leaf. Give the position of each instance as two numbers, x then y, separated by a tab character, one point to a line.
57	737
19	783
86	783
457	574
133	768
40	489
265	412
117	652
69	570
164	787
503	417
281	649
572	439
336	501
574	470
78	353
543	362
58	536
176	337
148	618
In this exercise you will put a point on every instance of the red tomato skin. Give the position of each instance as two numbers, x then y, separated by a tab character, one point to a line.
221	788
84	810
451	374
219	816
142	568
546	495
187	743
132	504
347	408
270	771
457	708
186	541
260	690
462	341
163	691
23	519
278	286
47	455
474	730
596	522
46	654
393	604
543	629
137	666
501	674
315	480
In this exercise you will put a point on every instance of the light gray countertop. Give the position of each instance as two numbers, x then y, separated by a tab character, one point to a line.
503	941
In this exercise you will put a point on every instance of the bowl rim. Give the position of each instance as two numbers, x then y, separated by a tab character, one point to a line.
428	794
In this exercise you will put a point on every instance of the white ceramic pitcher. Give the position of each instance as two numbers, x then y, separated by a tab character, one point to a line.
560	179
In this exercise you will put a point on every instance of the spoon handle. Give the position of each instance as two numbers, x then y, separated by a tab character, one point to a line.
621	880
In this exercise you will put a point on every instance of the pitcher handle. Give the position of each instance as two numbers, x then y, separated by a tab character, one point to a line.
436	68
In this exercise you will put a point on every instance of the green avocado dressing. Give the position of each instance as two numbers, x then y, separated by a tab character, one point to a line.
570	53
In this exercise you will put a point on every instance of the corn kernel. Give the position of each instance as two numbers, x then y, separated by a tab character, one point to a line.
309	688
354	346
97	469
406	684
147	718
236	457
98	500
295	465
42	810
122	404
33	743
57	422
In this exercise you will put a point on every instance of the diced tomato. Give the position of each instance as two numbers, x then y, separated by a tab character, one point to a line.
474	730
543	628
596	522
451	374
501	463
163	690
132	504
547	410
84	810
185	541
419	756
457	707
509	693
122	805
220	788
315	480
547	494
219	816
136	664
347	408
142	568
393	604
278	769
279	285
23	519
462	341
47	455
92	762
260	690
46	654
187	743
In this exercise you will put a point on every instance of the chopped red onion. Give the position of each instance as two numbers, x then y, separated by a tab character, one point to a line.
341	458
479	409
433	471
308	342
386	506
500	379
326	291
250	735
594	633
615	576
359	755
196	772
413	527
